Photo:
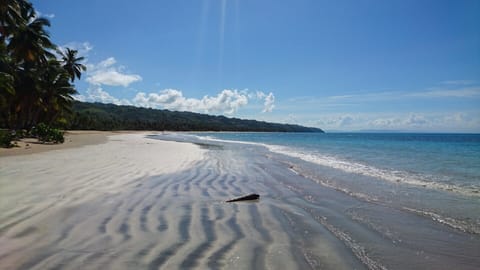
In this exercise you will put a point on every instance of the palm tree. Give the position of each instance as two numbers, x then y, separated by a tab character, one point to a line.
11	16
31	44
6	78
71	63
55	92
7	92
35	86
29	49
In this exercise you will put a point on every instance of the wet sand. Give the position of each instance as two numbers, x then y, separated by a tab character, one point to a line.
140	203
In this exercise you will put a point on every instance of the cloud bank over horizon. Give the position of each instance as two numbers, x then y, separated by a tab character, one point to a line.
411	121
106	79
109	73
226	102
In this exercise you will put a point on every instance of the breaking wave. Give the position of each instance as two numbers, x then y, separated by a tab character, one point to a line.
393	176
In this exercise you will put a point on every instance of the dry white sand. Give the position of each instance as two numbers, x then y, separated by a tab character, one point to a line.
73	138
40	193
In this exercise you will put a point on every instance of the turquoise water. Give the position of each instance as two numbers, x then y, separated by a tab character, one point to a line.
397	201
432	175
443	161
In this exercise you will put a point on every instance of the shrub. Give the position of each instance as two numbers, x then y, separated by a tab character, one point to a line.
19	134
6	138
48	134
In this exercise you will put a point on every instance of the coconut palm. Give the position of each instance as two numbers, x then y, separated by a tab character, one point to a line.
11	15
31	43
71	63
56	92
29	49
34	85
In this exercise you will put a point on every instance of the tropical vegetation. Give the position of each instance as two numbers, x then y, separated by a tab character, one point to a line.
47	134
36	76
99	116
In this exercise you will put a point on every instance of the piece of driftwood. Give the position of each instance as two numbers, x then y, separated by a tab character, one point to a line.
250	197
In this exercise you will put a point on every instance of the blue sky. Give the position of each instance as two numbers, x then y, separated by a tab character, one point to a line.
338	65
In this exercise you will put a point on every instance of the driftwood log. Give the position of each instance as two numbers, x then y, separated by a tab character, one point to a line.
250	197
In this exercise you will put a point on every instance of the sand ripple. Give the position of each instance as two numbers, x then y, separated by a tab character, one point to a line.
136	203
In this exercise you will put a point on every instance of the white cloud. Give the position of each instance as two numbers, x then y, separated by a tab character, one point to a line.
290	119
79	97
338	121
269	103
105	64
83	48
384	123
97	94
107	73
39	14
415	120
227	101
269	100
441	93
436	122
345	121
112	78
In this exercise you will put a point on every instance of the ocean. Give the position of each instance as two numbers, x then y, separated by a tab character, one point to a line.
426	173
396	201
432	176
438	161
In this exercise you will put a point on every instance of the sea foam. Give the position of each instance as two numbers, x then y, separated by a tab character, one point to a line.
393	176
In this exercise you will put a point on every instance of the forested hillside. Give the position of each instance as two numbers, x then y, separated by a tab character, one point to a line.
99	116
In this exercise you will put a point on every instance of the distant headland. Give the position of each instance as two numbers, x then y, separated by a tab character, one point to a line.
99	116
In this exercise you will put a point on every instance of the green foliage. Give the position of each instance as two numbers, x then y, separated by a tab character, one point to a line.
46	133
71	63
6	138
98	116
20	134
35	86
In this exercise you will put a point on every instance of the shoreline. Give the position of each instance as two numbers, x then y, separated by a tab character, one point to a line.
140	202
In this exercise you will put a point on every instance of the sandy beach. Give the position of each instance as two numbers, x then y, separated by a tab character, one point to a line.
73	138
131	201
56	200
